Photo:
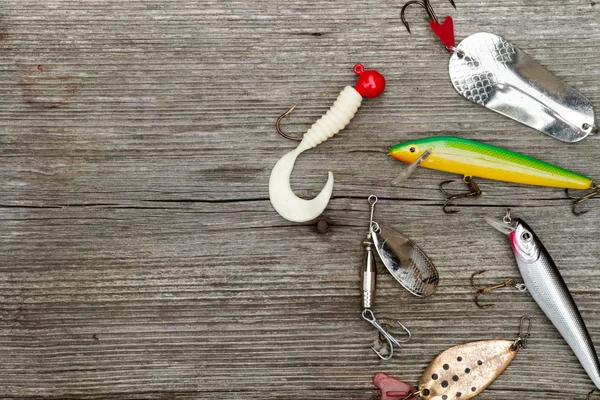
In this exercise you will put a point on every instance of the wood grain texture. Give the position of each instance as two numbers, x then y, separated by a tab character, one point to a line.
141	258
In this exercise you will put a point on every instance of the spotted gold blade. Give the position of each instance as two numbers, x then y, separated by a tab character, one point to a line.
462	372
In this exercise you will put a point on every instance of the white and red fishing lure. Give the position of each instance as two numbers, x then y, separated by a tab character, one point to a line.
370	84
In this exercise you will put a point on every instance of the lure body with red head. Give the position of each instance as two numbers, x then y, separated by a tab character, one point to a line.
370	84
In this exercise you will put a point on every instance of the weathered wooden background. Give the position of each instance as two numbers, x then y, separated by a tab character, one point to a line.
140	256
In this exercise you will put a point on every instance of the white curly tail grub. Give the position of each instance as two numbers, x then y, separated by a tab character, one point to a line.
283	199
336	119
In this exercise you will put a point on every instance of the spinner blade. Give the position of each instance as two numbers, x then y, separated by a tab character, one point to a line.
406	261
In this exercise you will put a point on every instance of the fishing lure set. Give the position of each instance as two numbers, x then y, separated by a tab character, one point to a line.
464	371
492	72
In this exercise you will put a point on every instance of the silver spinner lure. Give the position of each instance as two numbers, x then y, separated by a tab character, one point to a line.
492	72
407	263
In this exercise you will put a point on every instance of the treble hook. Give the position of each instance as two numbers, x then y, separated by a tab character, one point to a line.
428	8
479	290
578	200
368	316
474	191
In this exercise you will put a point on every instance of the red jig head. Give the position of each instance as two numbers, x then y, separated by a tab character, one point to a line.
370	83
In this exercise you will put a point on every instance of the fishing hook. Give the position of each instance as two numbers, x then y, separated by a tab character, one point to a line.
278	127
479	290
474	191
368	316
578	200
428	8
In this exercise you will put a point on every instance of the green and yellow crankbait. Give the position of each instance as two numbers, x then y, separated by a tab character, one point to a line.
475	159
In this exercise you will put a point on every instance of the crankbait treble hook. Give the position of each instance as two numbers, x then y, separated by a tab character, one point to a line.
474	191
370	84
578	200
369	277
479	290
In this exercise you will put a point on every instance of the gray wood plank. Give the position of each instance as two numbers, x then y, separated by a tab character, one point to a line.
141	257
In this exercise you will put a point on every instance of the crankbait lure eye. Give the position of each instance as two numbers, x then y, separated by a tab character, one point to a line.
526	236
413	149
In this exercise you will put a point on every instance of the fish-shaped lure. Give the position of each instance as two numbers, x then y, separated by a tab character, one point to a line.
546	285
475	159
459	373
